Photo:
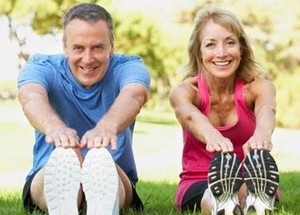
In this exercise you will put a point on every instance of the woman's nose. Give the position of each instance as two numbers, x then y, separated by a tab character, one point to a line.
221	51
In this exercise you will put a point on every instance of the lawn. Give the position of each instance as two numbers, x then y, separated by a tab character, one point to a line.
157	137
158	198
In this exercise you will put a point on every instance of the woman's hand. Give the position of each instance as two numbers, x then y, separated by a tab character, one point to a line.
216	142
259	140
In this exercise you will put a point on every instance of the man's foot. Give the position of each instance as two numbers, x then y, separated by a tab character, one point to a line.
62	182
100	183
224	181
262	179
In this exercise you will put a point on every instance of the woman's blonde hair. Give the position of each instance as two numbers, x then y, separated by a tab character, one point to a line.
248	68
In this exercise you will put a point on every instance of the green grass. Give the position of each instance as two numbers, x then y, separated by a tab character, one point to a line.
158	198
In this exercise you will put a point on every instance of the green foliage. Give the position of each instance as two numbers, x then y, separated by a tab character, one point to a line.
288	102
145	37
272	28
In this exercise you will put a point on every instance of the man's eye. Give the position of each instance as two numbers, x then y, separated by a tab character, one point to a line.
77	48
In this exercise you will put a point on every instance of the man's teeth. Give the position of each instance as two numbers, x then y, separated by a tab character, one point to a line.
88	69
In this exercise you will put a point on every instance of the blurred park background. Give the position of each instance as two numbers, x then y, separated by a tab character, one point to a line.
158	31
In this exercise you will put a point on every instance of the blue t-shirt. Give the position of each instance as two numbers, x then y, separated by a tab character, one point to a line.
81	108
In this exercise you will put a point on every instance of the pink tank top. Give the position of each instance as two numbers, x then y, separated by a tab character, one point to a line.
195	159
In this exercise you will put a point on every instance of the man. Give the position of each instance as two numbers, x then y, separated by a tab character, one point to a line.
83	106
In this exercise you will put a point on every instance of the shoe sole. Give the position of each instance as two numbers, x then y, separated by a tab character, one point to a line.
261	178
100	183
224	180
62	179
261	173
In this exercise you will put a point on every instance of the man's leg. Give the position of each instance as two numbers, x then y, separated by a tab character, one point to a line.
105	184
125	189
37	191
59	179
100	183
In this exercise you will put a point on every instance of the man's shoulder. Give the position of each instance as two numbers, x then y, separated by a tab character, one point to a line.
44	59
119	59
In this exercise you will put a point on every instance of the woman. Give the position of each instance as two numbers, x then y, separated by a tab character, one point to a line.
223	105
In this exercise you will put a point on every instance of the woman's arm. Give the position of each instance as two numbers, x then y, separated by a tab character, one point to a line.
263	94
185	99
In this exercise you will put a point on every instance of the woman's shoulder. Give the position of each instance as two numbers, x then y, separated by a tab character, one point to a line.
188	84
259	84
186	89
257	87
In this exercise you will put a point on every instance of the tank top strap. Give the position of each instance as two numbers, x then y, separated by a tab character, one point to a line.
240	102
239	91
204	104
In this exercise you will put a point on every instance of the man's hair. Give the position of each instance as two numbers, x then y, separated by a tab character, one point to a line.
90	13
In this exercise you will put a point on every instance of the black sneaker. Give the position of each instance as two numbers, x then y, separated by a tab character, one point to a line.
224	181
262	180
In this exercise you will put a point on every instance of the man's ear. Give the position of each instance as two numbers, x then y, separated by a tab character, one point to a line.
112	51
65	50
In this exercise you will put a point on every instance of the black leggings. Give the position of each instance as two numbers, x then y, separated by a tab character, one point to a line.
193	196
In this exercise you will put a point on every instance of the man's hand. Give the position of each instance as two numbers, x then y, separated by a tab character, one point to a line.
62	136
100	136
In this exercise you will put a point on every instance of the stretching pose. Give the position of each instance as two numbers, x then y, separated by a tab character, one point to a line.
227	113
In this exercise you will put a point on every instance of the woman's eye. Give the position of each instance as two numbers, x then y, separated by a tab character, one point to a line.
231	43
209	45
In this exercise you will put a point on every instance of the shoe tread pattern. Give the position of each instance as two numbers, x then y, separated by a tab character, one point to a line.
62	181
100	182
261	172
224	180
224	174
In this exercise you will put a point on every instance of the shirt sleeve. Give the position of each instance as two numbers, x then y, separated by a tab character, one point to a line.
37	70
133	70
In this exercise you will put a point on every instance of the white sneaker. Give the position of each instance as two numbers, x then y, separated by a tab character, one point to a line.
62	182
224	181
100	183
262	179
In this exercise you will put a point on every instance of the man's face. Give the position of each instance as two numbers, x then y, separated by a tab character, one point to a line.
89	49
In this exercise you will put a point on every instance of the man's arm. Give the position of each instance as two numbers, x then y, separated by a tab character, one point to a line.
121	114
34	101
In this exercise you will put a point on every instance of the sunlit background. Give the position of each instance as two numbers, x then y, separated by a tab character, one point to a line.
157	30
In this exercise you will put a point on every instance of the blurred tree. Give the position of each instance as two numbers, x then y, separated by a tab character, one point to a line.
272	25
137	35
41	16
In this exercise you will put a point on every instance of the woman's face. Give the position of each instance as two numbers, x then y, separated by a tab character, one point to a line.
89	49
220	48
